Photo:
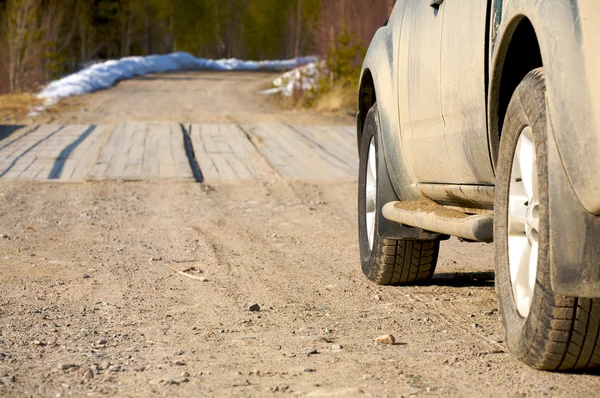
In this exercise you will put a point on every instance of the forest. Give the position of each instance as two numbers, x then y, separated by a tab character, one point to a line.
41	40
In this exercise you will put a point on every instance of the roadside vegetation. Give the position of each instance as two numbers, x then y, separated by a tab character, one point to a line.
337	88
42	40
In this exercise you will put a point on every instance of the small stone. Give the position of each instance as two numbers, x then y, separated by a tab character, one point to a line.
104	365
37	342
4	236
378	297
489	312
179	363
328	331
155	259
185	374
89	374
102	342
311	351
254	308
115	369
67	366
386	339
337	347
85	276
63	262
309	370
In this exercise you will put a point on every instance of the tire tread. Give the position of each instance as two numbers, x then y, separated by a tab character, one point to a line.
406	262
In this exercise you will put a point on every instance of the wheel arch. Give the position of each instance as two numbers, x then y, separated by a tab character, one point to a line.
519	53
367	96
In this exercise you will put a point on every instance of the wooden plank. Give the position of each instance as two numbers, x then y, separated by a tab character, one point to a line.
166	167
207	166
118	159
150	159
285	145
107	153
89	152
327	144
180	159
226	172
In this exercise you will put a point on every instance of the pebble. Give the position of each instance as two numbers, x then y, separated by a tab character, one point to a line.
62	262
310	370
179	363
386	339
102	342
4	236
254	308
185	374
337	347
104	365
85	276
311	351
89	374
67	366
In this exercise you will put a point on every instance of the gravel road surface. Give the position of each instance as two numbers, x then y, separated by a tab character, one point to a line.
247	284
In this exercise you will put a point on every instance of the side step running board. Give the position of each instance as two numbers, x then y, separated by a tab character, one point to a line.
430	216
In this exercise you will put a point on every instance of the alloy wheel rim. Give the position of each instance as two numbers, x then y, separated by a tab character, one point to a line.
523	222
371	193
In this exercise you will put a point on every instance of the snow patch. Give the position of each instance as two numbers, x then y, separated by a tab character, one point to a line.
303	78
106	74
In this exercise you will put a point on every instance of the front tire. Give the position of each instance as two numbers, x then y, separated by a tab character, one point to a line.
542	329
385	261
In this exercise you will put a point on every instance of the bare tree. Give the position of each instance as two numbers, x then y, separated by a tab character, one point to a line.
19	30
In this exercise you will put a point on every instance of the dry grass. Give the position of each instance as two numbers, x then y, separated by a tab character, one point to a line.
330	100
337	99
15	107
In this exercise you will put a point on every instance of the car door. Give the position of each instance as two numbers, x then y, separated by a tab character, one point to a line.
419	93
463	92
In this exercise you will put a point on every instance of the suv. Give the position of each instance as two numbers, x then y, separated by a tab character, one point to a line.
481	120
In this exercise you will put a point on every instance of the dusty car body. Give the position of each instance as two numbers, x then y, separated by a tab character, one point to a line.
442	75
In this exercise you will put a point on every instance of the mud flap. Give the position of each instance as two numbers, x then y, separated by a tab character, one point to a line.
574	246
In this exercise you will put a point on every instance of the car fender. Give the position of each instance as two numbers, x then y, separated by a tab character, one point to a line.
379	65
568	32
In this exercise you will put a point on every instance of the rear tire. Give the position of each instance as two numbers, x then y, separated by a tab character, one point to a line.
542	329
385	261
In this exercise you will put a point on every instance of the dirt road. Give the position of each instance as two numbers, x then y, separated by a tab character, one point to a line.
92	303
